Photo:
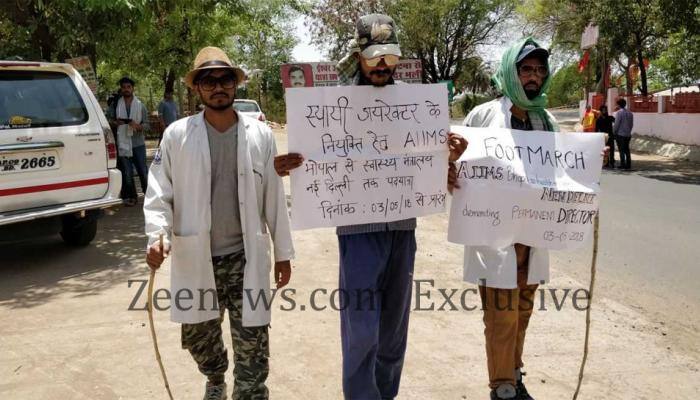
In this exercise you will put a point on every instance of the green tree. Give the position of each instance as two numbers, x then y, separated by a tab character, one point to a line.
630	27
567	84
59	29
679	60
562	21
262	43
446	34
630	30
154	41
332	22
164	36
443	34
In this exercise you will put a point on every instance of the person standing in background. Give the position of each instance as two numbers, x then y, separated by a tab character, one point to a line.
167	110
604	124
130	117
624	122
589	118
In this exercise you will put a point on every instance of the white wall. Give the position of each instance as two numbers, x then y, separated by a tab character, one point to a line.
671	127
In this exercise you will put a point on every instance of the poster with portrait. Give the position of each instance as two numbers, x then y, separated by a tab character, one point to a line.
296	75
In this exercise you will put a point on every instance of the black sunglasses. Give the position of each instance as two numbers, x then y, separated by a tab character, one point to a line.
209	83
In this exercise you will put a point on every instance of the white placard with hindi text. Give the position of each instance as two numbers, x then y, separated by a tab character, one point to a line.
371	154
536	188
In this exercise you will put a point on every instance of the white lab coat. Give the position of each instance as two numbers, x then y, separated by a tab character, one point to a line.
178	205
498	266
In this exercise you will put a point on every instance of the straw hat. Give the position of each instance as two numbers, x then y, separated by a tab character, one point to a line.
212	58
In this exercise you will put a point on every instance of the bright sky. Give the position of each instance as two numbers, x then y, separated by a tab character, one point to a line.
304	51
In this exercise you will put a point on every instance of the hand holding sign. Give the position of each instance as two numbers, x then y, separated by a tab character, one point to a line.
284	163
536	188
457	145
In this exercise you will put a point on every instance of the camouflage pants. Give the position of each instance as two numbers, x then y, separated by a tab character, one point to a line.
250	344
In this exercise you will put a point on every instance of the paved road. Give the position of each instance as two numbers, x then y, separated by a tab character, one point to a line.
650	232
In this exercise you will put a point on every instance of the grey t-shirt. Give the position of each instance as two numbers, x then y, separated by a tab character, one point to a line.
226	230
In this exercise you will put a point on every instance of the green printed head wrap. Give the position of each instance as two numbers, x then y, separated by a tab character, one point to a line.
507	82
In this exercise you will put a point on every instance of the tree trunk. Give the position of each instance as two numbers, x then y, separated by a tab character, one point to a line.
42	36
629	87
169	82
90	50
587	86
628	78
642	67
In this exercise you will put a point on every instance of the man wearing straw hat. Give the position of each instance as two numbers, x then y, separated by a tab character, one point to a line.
216	200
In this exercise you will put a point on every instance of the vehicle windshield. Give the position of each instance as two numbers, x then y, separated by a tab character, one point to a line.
245	106
30	99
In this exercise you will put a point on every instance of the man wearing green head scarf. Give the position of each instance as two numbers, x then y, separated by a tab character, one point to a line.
508	277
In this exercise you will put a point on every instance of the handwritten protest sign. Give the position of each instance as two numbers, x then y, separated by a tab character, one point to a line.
371	154
535	188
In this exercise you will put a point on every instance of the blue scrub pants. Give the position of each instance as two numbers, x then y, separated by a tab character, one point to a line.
376	280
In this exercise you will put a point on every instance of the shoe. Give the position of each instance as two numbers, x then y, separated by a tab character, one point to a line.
522	393
215	392
504	392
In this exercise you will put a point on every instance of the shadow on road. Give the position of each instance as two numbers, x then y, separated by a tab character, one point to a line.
667	169
34	272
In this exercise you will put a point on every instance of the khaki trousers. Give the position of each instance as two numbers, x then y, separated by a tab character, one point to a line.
506	316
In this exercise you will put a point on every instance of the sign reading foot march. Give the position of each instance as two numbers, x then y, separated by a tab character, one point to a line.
370	154
535	188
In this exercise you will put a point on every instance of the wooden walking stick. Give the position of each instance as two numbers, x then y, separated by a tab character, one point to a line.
596	223
149	304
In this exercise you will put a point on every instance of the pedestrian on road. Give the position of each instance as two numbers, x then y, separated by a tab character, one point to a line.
624	122
589	119
131	118
604	124
215	196
376	260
